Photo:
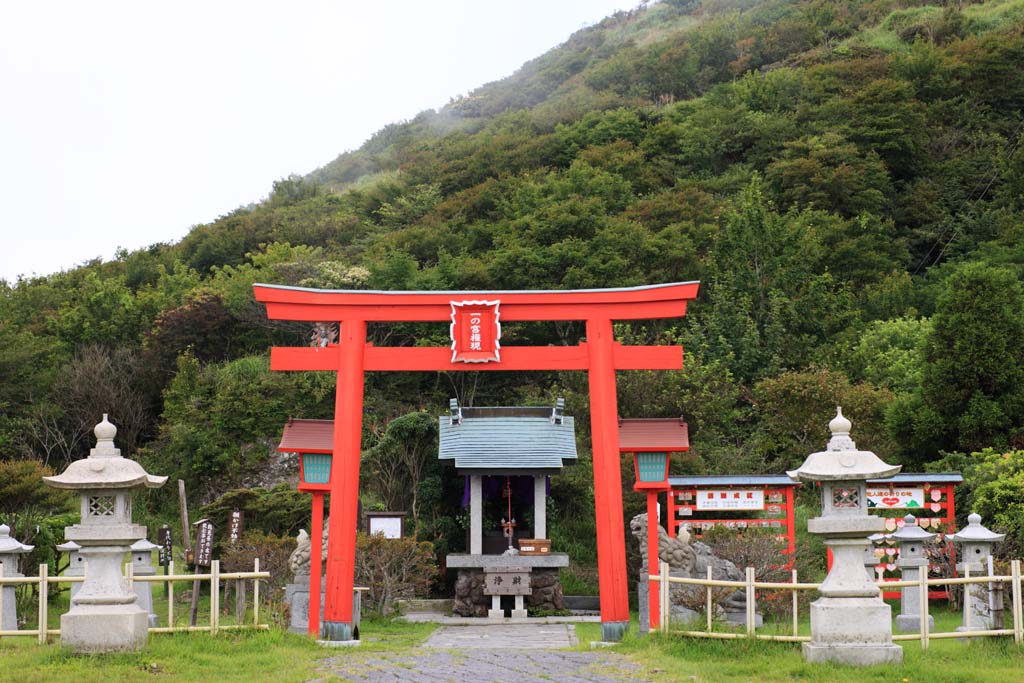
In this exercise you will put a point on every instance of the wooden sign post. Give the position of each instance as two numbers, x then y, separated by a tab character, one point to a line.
165	553
203	557
186	536
236	525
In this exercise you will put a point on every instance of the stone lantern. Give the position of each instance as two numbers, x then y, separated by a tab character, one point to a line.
913	564
975	553
142	565
105	614
10	549
76	563
849	622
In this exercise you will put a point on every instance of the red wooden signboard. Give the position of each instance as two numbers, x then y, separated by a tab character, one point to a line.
475	331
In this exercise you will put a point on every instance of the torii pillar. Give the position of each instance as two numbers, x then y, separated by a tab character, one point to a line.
475	332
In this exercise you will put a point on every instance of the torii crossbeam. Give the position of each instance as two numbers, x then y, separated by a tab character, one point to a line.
600	355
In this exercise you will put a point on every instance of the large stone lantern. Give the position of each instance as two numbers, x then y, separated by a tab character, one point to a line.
913	564
104	614
10	549
849	622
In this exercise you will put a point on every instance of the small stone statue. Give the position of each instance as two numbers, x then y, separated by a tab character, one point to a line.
688	560
298	561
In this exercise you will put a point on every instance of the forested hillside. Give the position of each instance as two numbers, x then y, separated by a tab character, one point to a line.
845	178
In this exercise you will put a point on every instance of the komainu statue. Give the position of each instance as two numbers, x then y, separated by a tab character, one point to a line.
689	560
298	561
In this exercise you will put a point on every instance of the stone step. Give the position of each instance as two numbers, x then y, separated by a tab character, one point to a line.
420	605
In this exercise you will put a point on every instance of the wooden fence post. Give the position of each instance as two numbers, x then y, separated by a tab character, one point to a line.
663	596
44	570
710	598
1018	626
750	602
214	596
256	594
239	600
170	594
922	593
796	607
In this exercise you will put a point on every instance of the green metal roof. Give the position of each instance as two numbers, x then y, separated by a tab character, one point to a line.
499	440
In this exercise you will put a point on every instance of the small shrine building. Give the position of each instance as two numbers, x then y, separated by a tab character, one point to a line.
506	455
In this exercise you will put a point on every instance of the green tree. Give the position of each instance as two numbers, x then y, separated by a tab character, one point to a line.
395	465
972	387
827	172
890	353
794	410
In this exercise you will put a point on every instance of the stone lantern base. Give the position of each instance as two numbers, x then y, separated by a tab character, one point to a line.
856	631
104	628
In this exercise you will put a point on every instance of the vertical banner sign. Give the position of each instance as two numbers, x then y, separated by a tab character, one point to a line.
235	526
475	331
166	543
204	543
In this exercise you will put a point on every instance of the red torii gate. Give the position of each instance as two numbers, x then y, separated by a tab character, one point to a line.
600	355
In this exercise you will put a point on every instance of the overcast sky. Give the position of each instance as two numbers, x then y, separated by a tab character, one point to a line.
123	124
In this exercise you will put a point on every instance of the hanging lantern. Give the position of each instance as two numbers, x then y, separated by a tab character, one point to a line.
315	469
651	470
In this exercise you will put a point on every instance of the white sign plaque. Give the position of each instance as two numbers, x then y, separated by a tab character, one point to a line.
731	499
885	498
391	527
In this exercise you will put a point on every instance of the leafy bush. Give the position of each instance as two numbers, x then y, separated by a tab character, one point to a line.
392	569
995	490
278	511
273	552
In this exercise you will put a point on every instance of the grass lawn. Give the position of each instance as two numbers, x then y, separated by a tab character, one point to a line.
276	656
672	658
249	656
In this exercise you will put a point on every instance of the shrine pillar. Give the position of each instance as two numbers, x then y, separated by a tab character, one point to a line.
540	506
604	428
343	519
476	511
652	560
316	562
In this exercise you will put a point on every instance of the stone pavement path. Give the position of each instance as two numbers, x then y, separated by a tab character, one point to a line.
500	653
517	636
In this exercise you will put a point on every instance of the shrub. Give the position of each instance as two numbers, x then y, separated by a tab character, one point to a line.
392	569
273	552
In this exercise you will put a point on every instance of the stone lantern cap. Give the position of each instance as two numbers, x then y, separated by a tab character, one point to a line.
974	532
841	461
143	546
104	468
912	532
69	547
9	545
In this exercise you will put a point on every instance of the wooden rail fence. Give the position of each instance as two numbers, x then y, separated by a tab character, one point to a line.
750	588
214	578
